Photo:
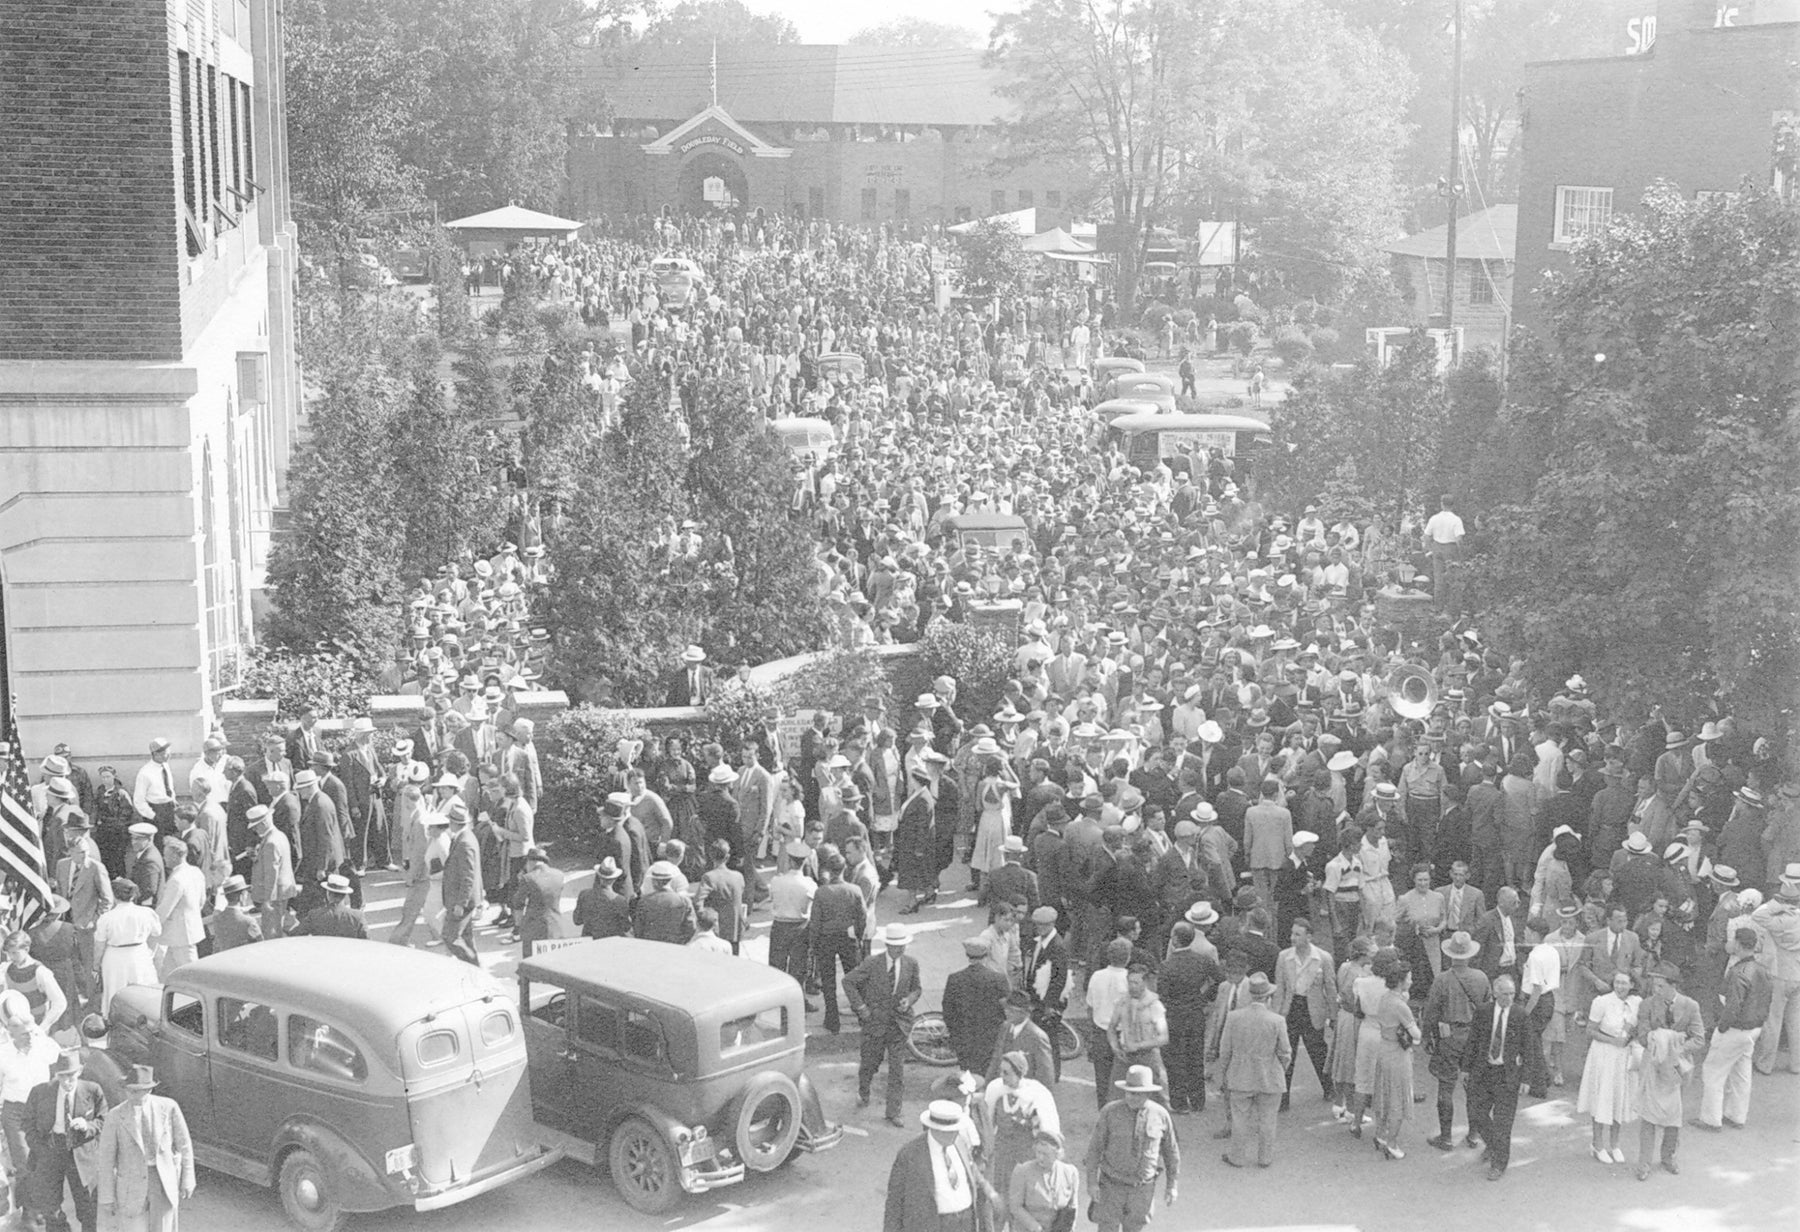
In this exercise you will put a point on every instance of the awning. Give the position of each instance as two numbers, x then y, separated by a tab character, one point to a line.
1056	240
1080	258
1024	222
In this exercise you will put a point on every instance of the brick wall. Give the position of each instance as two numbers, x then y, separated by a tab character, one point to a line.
1696	111
88	221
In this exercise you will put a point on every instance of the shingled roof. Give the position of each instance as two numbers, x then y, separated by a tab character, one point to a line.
1486	235
806	84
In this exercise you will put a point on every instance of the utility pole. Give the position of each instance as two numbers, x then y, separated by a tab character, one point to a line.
1453	183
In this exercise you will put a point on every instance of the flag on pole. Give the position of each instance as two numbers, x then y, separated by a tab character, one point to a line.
22	864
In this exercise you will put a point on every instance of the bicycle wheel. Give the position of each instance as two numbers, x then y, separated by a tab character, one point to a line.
929	1040
1069	1044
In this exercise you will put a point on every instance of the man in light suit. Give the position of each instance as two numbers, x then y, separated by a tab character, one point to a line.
1610	950
462	885
755	797
882	991
1254	1055
63	1120
1304	983
146	1161
179	905
1464	904
81	878
272	878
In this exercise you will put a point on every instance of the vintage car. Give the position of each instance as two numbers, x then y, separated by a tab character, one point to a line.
988	530
676	1070
1157	387
1113	408
842	367
1109	366
805	437
1146	437
679	281
351	1077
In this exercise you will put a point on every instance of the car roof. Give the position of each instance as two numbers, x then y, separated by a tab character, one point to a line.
1126	407
799	423
374	989
986	521
675	975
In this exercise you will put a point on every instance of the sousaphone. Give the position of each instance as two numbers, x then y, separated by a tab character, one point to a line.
1412	691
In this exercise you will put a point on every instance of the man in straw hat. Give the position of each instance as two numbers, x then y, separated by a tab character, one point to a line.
935	1185
335	917
1133	1145
272	876
882	991
1254	1054
600	910
145	1165
1449	1009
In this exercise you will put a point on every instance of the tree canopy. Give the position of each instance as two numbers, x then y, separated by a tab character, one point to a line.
916	32
700	22
1658	549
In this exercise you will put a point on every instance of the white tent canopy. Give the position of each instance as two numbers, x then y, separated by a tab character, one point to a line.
517	220
1055	241
1023	222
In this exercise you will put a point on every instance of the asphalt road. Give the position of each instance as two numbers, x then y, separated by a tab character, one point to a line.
1736	1181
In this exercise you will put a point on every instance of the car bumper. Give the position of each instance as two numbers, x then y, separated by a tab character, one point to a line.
823	1141
544	1157
705	1177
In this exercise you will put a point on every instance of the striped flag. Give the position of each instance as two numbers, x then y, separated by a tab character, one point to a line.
22	864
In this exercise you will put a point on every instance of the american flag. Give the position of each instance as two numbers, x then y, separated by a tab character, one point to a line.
22	865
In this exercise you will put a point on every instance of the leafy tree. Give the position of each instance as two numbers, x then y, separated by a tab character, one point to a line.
994	262
916	32
442	461
1656	551
698	23
979	659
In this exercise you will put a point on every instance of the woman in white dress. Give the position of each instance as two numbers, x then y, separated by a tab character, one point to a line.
1608	1093
122	939
994	797
1377	888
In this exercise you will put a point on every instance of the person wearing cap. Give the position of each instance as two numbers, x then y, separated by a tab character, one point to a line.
935	1184
235	923
537	901
63	1119
145	1164
882	991
335	917
600	910
1254	1053
974	1006
1132	1146
663	913
146	862
1744	1002
113	816
1778	923
461	884
153	794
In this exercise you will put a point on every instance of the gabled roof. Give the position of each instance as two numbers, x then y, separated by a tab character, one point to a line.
805	84
1483	236
515	218
733	134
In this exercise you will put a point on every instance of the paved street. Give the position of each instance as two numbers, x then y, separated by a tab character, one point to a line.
1731	1182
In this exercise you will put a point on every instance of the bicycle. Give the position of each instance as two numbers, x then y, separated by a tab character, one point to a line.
928	1039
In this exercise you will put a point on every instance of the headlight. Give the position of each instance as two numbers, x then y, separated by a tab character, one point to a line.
403	1158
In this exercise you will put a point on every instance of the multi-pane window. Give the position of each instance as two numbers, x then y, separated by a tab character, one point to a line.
1581	212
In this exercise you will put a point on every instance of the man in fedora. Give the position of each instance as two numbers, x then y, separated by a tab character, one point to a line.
1254	1054
1449	1009
272	878
63	1121
663	913
537	901
600	910
145	1165
234	924
321	838
692	682
336	917
882	991
1019	1034
361	771
462	887
81	880
1132	1147
934	1184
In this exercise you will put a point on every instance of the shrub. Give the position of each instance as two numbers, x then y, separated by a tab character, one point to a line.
1325	343
576	751
1248	310
1243	336
331	681
1155	314
837	681
736	712
979	660
1292	345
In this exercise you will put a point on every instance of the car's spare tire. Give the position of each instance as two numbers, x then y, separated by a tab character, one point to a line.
768	1122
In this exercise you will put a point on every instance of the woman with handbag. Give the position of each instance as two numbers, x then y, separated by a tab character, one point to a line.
1045	1190
1393	1094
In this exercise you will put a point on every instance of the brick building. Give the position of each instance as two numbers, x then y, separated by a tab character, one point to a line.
854	134
1698	104
148	384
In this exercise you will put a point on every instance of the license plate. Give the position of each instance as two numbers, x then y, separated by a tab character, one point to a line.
698	1151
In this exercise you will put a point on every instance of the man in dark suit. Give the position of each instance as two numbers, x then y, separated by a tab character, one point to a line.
1609	951
600	910
462	885
1187	984
235	923
1494	1059
63	1118
1019	1034
240	797
303	742
1012	881
1045	963
882	991
1294	882
663	914
272	757
974	1007
1501	934
537	901
622	840
321	839
360	771
913	1204
336	918
692	683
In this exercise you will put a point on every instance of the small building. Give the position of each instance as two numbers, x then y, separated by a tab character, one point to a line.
1484	275
148	381
852	134
1701	103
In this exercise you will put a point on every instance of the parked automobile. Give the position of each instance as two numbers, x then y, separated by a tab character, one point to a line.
676	1070
1148	436
349	1076
988	530
679	281
848	365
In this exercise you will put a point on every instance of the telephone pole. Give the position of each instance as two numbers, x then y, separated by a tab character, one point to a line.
1453	183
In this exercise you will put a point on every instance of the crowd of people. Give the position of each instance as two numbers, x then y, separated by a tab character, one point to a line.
1209	821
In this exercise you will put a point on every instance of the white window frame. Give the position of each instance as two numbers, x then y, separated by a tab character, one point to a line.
1559	234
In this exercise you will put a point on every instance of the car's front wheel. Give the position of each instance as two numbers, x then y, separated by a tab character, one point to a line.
644	1168
306	1194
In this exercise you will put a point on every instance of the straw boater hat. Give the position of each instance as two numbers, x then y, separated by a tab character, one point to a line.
1638	843
943	1115
1201	915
